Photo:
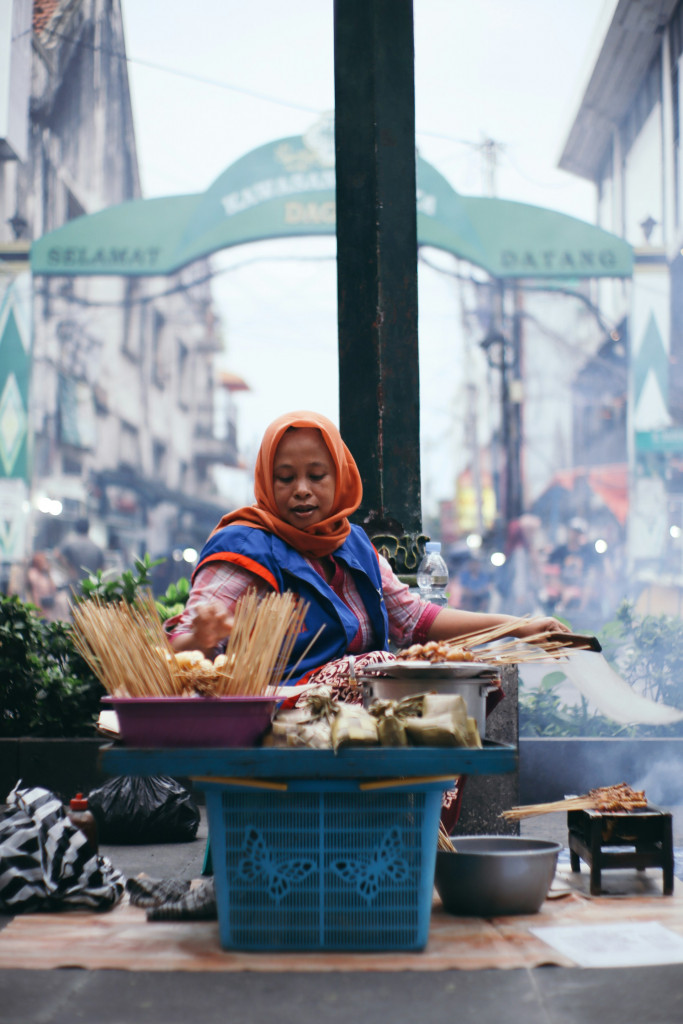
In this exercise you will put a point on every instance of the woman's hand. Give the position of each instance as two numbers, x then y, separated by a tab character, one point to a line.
541	624
211	624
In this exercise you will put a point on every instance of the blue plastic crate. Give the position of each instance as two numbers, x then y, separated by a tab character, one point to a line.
324	865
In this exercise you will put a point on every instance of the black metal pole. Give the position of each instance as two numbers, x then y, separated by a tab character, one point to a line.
377	265
515	486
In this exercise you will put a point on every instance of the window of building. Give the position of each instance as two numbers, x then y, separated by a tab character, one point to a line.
184	375
73	207
160	369
675	400
130	446
647	97
71	466
160	455
132	322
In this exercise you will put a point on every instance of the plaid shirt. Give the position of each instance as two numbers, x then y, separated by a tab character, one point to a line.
409	616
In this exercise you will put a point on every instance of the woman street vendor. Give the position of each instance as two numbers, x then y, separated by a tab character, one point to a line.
297	537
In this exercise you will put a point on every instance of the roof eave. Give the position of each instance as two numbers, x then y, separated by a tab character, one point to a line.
631	42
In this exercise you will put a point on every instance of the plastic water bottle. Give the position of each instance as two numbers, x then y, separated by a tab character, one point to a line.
432	575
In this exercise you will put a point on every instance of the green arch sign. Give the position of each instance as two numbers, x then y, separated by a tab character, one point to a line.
287	188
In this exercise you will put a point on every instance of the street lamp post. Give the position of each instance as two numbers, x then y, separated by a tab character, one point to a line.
502	355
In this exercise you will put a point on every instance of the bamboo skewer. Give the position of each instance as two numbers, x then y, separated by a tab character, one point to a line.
615	799
576	803
538	647
118	640
443	841
127	648
261	642
295	667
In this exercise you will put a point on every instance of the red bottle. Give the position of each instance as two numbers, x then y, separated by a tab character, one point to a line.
82	818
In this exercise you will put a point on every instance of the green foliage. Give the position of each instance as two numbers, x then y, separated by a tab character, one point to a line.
174	600
107	586
648	653
46	689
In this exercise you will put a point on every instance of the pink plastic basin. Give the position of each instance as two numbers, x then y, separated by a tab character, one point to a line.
191	721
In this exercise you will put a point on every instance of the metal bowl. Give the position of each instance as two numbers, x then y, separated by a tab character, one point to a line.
493	876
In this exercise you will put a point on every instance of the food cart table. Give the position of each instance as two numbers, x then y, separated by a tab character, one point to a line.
317	850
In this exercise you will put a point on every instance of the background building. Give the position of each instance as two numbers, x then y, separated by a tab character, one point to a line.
626	138
108	385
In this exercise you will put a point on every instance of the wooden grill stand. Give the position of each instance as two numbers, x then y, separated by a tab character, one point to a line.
637	839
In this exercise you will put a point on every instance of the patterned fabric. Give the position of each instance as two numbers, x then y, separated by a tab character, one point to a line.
46	863
337	675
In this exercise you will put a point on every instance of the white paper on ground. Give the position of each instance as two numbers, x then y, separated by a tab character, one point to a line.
634	944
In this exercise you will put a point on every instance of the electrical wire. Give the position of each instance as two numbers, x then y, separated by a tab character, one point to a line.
201	79
183	287
231	87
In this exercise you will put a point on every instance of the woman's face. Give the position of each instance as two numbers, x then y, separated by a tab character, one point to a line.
304	478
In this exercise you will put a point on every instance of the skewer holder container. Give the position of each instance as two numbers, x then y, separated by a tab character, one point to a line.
191	722
323	864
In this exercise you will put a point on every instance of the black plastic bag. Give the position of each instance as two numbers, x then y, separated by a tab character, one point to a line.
134	809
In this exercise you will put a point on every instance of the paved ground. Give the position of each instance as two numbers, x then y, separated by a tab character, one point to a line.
549	995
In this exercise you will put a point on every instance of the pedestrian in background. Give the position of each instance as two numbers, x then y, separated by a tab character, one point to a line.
523	577
80	555
41	589
476	583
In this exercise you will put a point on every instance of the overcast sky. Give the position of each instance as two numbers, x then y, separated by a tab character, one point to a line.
213	79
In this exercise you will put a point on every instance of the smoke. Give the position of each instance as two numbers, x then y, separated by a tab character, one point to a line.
663	782
552	769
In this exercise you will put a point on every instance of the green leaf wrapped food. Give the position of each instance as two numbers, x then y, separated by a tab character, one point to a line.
353	726
441	720
390	727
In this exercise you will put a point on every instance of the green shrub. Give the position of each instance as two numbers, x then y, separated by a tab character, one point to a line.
174	600
107	587
46	687
647	652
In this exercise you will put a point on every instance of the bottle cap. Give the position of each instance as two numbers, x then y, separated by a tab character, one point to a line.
433	545
78	803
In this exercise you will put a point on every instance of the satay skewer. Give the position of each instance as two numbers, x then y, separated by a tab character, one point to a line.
617	799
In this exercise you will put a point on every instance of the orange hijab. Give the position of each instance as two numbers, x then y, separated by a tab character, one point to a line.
326	536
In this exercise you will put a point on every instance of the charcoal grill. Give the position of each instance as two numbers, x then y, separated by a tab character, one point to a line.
640	839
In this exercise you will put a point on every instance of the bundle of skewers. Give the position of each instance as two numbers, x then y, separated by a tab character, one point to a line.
616	799
443	840
488	645
127	648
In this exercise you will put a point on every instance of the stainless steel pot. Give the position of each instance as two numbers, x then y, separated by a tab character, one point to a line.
493	876
473	690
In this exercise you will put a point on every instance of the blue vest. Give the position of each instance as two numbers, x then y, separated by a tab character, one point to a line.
283	568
